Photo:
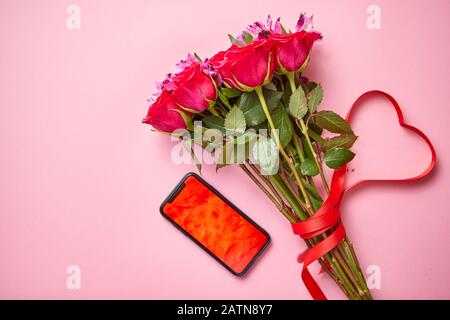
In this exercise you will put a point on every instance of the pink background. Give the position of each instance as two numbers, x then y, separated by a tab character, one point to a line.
81	179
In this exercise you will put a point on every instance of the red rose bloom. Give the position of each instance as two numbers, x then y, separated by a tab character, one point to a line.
165	115
292	50
246	67
193	89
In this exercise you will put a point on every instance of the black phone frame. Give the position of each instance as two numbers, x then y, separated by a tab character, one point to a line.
178	189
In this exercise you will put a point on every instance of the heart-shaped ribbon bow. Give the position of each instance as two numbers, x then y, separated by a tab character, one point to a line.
328	217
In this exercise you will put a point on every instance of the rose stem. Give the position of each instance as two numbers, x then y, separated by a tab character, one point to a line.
221	109
297	147
280	147
291	189
268	194
288	185
302	159
278	182
301	124
304	129
348	250
355	257
213	110
354	265
269	184
309	242
309	208
351	256
336	259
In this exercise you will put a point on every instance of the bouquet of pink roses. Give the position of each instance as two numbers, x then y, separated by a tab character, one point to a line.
250	105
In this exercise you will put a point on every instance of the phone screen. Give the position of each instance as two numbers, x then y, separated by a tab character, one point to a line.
215	224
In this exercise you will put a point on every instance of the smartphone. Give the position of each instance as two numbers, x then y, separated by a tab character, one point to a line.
215	224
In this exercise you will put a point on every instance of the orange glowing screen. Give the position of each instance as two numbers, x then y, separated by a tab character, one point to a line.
216	225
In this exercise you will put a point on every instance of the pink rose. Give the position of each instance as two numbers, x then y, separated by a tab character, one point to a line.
246	67
193	89
165	115
292	49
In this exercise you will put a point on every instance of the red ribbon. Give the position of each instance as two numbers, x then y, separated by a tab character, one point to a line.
328	217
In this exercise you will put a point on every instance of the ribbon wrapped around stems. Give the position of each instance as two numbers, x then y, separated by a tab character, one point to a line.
328	217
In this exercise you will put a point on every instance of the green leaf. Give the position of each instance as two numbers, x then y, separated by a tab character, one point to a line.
332	122
198	57
310	85
286	95
265	153
298	104
248	38
223	99
315	97
251	106
337	157
312	126
283	123
270	86
247	137
187	119
230	92
315	136
297	167
232	153
343	141
235	120
309	167
273	98
262	126
316	203
311	190
308	152
215	122
235	41
290	150
187	143
211	142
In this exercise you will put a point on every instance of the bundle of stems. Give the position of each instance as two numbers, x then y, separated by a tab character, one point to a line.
341	264
297	196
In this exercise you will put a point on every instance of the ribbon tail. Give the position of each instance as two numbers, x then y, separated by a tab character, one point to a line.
314	254
312	286
301	256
